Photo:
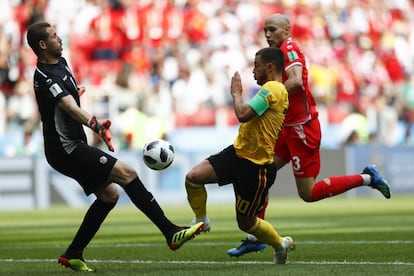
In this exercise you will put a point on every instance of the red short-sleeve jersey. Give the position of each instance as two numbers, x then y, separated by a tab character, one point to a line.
302	105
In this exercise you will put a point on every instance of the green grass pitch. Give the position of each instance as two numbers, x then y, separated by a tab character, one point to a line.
336	236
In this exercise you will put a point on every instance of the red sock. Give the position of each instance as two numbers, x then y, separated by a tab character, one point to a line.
338	185
262	212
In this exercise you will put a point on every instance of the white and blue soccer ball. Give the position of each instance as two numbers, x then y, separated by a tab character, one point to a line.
158	154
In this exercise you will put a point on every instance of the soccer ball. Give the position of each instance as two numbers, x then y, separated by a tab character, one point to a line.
158	154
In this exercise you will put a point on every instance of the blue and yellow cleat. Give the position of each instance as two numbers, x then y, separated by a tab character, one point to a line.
247	246
377	182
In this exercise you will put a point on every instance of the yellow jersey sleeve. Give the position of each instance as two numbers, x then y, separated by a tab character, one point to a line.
256	138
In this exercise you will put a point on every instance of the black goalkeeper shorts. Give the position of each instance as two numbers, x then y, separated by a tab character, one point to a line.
88	165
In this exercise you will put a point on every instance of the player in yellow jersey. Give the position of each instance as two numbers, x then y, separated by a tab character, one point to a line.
299	142
248	163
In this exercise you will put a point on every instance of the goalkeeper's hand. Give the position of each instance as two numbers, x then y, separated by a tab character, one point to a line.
81	90
102	130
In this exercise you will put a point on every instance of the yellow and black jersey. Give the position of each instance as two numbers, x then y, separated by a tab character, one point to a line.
257	137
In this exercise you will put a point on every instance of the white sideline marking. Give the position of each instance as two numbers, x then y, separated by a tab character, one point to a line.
127	245
356	242
211	262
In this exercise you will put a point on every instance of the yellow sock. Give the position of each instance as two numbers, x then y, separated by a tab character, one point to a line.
197	197
265	233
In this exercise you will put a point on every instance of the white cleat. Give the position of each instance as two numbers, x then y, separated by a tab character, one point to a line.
207	225
281	254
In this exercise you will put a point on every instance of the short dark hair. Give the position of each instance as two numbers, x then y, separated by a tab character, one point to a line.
35	33
272	55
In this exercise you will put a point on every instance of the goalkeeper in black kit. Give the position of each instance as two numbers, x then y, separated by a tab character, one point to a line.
67	151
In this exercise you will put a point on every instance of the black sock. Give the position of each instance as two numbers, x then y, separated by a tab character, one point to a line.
146	202
93	219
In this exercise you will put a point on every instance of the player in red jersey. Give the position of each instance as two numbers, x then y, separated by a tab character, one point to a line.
299	141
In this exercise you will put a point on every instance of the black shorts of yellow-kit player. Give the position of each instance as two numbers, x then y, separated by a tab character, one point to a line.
251	181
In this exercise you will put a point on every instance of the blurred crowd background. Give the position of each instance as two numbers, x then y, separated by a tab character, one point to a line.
157	66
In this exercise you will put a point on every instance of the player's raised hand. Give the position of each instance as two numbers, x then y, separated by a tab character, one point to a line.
236	85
